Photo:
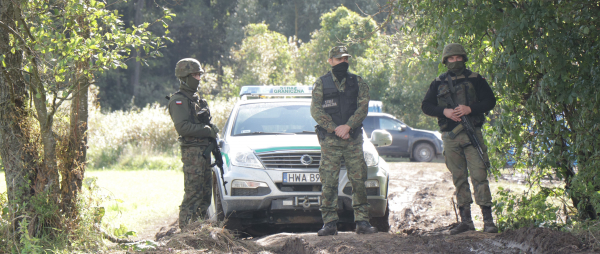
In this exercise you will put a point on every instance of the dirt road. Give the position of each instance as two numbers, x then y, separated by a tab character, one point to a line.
421	213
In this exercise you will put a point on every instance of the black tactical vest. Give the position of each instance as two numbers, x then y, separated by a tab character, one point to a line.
340	105
465	95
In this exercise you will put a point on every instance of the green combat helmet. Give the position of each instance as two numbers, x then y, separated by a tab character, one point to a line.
186	67
338	52
453	49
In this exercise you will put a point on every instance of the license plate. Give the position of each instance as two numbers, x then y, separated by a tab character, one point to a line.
301	178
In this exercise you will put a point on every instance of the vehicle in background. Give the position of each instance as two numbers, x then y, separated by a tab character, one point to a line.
271	171
375	106
416	144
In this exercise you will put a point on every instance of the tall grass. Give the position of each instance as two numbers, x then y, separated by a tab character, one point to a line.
140	138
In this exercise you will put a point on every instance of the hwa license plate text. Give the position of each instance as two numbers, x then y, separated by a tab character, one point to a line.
301	178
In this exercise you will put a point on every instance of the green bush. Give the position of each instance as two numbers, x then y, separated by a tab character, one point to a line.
515	210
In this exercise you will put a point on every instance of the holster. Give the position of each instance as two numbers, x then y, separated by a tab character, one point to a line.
452	134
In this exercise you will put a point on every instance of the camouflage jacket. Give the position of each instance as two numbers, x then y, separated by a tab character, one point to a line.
183	112
324	120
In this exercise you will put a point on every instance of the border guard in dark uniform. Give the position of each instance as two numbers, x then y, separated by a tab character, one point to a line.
474	97
340	102
184	107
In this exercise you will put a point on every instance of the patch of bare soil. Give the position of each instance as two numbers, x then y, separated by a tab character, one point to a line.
421	215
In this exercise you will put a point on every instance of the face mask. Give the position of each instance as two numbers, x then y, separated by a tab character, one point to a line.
340	70
456	67
190	84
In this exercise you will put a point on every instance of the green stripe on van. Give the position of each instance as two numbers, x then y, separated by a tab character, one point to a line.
288	148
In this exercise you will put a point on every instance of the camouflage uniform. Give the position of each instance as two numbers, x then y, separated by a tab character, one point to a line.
334	148
462	160
183	106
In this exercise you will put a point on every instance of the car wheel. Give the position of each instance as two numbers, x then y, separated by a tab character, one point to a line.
382	223
217	199
229	222
423	153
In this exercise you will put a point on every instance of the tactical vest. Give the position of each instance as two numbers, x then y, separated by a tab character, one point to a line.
340	105
465	95
199	114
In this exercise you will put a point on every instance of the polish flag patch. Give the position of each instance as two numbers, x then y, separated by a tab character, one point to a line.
178	102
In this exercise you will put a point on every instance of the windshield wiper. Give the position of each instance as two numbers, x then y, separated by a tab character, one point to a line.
262	133
305	132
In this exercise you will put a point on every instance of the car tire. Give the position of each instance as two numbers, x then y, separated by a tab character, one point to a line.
423	153
382	223
230	223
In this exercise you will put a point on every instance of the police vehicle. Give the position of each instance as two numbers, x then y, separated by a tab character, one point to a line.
271	160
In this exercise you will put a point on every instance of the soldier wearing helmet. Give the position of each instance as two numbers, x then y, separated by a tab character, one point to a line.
474	98
340	102
184	106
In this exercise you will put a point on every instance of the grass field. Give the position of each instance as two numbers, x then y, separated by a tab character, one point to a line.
139	198
135	199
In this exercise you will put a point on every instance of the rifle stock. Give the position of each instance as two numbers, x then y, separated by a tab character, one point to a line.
213	148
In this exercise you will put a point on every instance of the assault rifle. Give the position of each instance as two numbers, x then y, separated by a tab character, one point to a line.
465	121
204	117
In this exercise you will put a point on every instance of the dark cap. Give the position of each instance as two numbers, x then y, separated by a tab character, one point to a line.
339	52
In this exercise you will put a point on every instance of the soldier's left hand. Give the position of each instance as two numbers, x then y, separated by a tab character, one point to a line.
342	130
462	110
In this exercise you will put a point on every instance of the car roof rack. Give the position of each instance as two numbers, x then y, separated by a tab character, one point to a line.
255	92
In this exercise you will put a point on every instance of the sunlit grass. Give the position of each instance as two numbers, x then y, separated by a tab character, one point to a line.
138	198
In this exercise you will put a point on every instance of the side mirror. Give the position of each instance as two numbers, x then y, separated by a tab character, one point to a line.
381	138
221	143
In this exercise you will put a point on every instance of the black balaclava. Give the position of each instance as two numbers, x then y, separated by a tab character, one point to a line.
189	84
456	67
340	71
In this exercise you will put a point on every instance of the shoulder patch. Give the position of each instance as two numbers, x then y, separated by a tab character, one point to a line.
178	102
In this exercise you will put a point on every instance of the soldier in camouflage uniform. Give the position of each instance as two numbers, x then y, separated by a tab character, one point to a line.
340	102
474	98
183	108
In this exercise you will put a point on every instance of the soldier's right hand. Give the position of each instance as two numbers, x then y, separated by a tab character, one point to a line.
210	131
215	128
448	112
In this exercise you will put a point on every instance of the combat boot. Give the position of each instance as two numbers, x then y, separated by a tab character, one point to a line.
364	227
488	220
466	222
330	228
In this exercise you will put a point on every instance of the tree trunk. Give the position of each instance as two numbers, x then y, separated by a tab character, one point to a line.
18	154
137	66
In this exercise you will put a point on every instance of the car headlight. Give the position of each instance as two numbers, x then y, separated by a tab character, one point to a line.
247	184
244	157
438	135
371	158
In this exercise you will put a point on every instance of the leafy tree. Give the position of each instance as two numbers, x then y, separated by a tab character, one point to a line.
265	58
294	18
541	57
338	27
49	58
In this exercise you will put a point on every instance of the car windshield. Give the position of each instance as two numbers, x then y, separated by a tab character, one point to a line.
273	118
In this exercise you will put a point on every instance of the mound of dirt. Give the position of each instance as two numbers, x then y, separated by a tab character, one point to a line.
540	240
200	237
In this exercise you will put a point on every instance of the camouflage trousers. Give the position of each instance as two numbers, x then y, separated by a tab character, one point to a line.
197	185
333	149
458	160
